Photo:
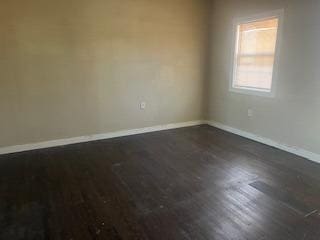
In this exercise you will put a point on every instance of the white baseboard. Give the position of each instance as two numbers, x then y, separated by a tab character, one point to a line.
68	141
295	150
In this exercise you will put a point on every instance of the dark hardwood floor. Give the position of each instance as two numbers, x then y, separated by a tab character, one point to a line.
190	183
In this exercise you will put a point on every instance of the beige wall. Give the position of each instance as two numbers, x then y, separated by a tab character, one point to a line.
293	116
78	67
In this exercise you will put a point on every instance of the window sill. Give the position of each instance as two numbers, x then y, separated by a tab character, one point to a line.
253	92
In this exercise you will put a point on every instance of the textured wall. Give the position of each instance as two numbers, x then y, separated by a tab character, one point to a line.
293	116
77	67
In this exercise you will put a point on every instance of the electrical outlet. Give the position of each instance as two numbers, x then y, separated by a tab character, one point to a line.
143	105
250	112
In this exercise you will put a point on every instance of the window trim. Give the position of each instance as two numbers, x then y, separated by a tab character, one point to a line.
253	18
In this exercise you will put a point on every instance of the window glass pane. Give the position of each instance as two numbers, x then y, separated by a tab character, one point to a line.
255	54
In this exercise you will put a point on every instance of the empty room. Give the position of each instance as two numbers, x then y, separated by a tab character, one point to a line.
160	120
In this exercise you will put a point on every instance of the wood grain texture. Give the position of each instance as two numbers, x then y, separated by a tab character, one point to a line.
191	183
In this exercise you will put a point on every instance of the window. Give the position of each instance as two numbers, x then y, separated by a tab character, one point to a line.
255	54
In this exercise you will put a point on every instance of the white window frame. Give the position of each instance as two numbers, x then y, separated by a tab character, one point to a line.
258	17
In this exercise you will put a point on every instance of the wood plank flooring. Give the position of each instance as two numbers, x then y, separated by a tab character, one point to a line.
190	183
